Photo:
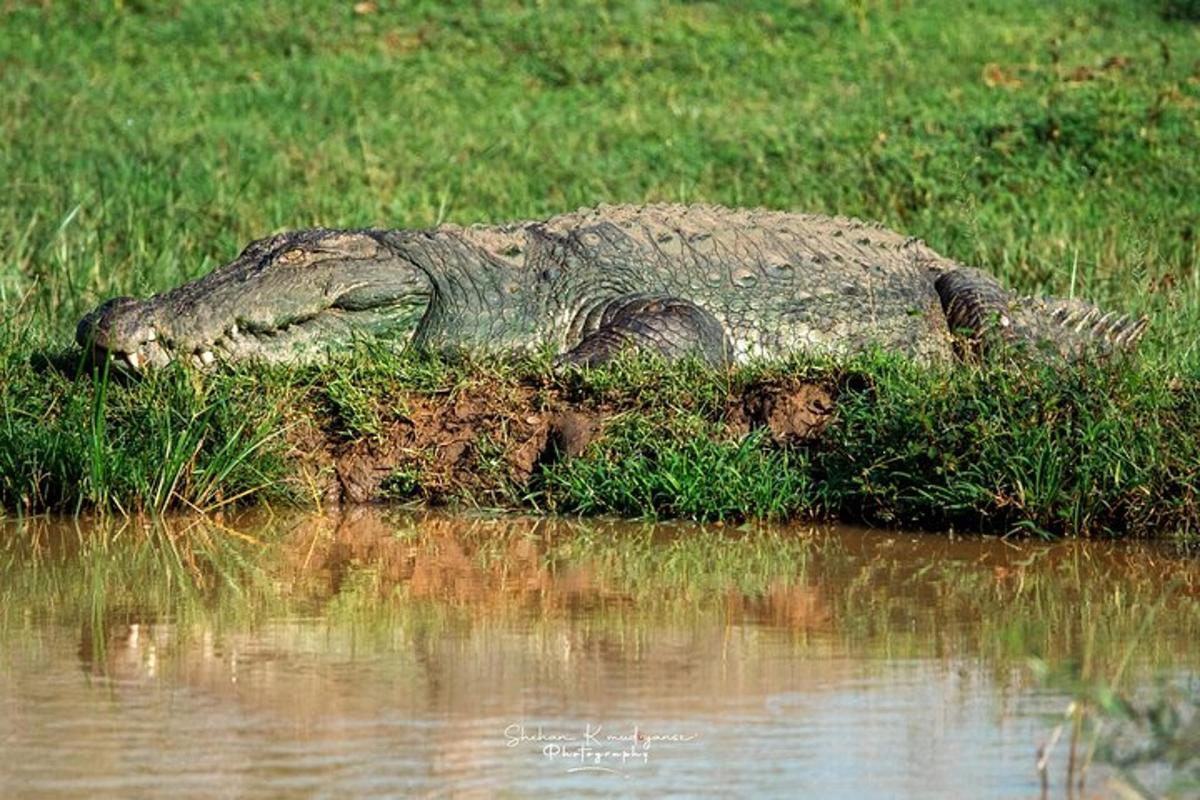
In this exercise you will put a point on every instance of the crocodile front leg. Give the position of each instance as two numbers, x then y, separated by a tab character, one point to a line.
672	327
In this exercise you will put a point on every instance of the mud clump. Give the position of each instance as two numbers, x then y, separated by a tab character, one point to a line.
477	442
572	431
791	412
485	441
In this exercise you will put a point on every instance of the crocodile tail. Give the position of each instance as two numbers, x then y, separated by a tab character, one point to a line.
1117	331
980	310
1080	327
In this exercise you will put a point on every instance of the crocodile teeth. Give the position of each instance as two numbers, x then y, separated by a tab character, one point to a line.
152	336
207	358
134	360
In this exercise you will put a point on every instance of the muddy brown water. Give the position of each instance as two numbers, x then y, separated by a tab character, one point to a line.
378	653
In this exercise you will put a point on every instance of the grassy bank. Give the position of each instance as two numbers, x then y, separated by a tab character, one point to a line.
1055	145
1104	450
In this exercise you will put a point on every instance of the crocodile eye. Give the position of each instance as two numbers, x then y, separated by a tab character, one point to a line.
291	257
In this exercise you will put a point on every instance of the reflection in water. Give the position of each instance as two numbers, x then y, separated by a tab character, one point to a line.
375	653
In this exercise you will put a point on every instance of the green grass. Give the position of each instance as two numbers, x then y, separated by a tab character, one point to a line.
1053	144
87	441
1040	451
1098	450
676	465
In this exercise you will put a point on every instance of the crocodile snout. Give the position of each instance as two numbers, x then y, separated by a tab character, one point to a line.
290	298
122	329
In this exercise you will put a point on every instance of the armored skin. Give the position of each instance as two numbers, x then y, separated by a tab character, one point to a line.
728	285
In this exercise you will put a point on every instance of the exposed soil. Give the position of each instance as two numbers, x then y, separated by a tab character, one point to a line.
483	439
792	411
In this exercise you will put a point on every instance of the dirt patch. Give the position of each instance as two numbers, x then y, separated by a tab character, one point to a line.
478	440
485	441
310	451
792	411
572	431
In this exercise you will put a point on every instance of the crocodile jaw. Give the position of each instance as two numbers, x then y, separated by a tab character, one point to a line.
124	331
287	299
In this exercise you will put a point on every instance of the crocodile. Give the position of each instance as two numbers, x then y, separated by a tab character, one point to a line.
727	285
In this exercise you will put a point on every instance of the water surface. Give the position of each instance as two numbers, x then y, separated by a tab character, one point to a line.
388	654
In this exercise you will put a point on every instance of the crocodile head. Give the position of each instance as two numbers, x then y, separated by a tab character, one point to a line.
285	299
